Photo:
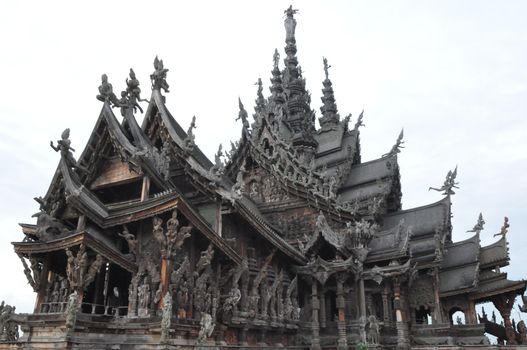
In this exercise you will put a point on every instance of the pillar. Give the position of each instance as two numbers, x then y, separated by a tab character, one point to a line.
315	306
45	277
342	343
437	316
400	323
386	307
362	298
322	313
145	190
166	270
504	304
470	315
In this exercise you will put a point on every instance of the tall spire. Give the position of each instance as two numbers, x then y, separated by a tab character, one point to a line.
300	117
277	90
330	116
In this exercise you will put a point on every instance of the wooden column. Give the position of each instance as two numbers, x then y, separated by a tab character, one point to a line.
504	304
45	277
400	322
386	309
470	315
437	315
145	190
342	342
315	306
166	270
362	298
322	313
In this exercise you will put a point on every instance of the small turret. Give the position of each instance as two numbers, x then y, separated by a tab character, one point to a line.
330	116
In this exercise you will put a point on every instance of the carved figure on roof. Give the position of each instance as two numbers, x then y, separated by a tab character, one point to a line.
65	149
190	139
218	167
359	122
130	240
361	233
48	227
175	236
106	93
449	184
504	229
239	187
243	115
231	301
398	145
159	76
478	227
94	268
254	295
132	95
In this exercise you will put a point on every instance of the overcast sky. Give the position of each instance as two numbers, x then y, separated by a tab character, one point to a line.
452	73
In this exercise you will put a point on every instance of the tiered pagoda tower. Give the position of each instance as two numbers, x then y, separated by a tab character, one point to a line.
294	242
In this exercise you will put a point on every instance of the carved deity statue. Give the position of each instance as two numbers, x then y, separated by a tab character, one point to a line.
106	93
159	76
373	330
449	184
290	24
130	240
65	149
207	325
166	317
243	115
504	229
478	227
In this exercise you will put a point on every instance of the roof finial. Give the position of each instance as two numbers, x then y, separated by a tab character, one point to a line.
276	59
106	93
276	87
326	67
243	115
478	227
159	76
398	145
260	101
504	229
290	24
449	184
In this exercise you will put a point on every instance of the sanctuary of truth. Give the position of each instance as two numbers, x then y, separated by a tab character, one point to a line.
293	242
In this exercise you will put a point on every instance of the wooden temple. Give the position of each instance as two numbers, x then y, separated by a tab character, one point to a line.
293	242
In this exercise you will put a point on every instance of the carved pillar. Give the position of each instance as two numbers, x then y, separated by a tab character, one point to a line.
386	307
45	277
315	306
400	322
504	304
437	315
322	314
470	315
342	343
362	298
166	270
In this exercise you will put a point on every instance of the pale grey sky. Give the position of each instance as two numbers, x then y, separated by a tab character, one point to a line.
452	73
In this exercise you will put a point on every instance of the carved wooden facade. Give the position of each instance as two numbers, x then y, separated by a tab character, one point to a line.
293	242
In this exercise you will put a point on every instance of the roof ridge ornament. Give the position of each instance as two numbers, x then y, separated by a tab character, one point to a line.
106	93
159	76
478	227
397	147
65	149
132	95
189	140
504	229
242	114
449	184
359	122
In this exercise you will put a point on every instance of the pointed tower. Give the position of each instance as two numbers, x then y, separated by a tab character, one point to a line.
277	90
330	117
299	116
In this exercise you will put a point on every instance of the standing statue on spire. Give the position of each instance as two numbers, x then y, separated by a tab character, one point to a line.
449	184
326	67
159	76
243	115
290	24
276	59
